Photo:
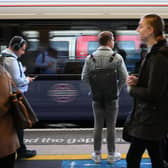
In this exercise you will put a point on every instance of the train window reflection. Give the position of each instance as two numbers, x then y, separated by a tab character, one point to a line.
92	46
127	45
33	39
62	48
33	45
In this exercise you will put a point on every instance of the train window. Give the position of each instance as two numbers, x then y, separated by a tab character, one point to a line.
33	45
33	39
126	45
92	46
62	48
2	47
132	54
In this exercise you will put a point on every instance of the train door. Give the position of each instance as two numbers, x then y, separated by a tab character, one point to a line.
85	45
65	46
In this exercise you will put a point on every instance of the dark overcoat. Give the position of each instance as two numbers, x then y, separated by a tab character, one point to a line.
8	137
149	119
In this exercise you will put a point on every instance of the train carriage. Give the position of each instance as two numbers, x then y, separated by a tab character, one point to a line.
71	28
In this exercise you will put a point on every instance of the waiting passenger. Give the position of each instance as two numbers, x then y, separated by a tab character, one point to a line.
111	75
148	122
120	51
46	61
17	47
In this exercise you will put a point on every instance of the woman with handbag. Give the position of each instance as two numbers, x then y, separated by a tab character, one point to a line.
9	142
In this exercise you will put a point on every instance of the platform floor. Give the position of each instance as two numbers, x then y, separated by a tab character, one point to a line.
68	141
69	148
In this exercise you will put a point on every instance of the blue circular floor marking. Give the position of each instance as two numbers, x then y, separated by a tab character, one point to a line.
145	163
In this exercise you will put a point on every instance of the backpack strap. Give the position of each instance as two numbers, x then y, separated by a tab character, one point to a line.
8	55
110	60
92	57
112	57
1	60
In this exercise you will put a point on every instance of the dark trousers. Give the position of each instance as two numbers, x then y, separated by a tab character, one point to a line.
8	161
20	133
165	148
138	147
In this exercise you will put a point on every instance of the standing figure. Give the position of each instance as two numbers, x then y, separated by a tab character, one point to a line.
46	61
16	49
106	73
148	122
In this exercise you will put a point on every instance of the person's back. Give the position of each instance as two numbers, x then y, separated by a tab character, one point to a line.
105	71
8	137
103	80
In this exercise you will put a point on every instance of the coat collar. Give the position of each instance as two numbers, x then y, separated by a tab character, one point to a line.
104	48
158	45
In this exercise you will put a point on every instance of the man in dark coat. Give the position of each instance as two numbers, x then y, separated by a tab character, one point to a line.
148	124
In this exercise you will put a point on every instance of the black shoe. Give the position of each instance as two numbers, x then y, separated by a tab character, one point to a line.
26	154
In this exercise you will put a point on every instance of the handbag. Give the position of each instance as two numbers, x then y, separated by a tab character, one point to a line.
125	134
127	126
22	112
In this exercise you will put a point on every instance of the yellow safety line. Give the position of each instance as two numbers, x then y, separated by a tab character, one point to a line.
72	157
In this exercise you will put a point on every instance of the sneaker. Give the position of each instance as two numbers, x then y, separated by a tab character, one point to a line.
96	157
26	154
114	157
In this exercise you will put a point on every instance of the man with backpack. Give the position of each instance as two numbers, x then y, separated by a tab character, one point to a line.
106	74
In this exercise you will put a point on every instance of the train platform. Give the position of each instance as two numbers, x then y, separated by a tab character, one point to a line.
70	148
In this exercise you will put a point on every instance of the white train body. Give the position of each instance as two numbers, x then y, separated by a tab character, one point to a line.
80	9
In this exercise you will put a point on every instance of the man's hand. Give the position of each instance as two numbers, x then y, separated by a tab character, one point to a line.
31	79
132	80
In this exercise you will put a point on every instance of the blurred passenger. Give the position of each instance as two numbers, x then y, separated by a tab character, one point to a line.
16	49
105	106
148	124
46	61
9	142
120	51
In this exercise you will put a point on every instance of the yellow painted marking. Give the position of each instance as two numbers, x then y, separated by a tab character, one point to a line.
72	157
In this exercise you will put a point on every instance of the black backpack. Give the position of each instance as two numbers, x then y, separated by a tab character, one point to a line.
103	82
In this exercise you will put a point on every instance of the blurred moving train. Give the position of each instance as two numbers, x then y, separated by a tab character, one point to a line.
71	28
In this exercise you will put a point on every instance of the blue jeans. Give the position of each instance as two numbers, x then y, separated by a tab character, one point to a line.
105	113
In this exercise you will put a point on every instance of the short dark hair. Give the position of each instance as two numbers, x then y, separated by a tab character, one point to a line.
16	42
104	37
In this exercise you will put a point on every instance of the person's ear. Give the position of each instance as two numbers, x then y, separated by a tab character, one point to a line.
151	29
